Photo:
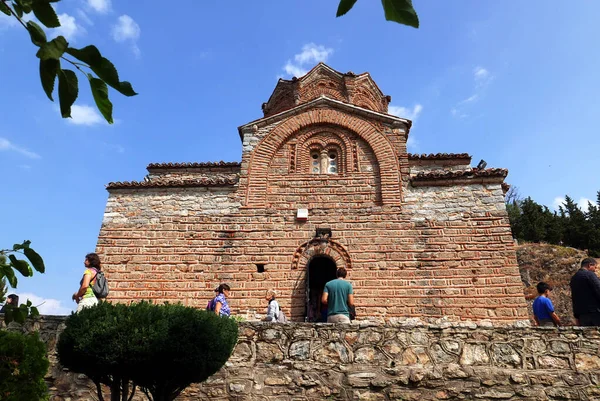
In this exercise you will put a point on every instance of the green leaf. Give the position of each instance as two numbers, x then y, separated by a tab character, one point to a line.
10	275
53	49
28	304
48	71
23	245
21	266
104	69
35	259
8	315
68	89
5	9
100	93
45	13
344	7
18	10
25	5
34	311
400	11
19	316
37	34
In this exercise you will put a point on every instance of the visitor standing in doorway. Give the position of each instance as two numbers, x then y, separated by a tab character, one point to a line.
338	295
585	294
221	305
543	310
85	297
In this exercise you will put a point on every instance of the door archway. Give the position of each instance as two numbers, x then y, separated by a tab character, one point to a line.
319	270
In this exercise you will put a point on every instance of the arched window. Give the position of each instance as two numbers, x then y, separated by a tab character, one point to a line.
324	161
315	162
333	162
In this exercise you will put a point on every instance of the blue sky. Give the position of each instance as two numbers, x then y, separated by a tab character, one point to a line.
515	83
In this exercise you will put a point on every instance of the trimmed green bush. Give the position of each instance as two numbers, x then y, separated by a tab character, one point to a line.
160	348
23	365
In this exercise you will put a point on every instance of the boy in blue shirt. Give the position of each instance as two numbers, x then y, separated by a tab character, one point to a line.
543	310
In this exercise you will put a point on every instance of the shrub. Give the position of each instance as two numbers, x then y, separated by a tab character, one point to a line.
160	348
23	365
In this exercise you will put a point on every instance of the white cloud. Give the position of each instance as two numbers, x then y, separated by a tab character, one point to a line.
84	115
126	29
6	145
582	203
100	6
406	112
294	70
46	306
481	77
83	16
68	27
412	114
412	144
481	73
311	54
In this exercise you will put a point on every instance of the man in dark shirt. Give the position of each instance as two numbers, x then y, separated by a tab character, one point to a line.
585	293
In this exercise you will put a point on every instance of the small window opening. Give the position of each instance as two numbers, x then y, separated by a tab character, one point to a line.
315	163
260	267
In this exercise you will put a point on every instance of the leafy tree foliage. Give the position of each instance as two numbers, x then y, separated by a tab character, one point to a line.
97	70
571	226
400	11
160	349
23	365
9	265
3	290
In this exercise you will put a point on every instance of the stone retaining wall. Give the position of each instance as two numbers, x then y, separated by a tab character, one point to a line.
448	361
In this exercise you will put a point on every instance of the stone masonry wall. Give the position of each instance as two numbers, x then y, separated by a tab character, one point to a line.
446	252
408	361
437	249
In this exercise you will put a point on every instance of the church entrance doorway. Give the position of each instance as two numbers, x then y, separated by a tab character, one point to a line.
319	271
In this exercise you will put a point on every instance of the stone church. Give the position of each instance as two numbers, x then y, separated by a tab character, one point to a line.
325	181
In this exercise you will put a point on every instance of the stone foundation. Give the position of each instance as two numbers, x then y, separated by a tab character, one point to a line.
448	361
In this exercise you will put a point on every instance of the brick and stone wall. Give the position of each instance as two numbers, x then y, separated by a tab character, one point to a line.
420	235
446	252
404	361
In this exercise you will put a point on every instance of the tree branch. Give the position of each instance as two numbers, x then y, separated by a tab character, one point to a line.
132	392
14	14
99	390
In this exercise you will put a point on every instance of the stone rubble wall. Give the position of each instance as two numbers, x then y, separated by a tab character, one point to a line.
368	362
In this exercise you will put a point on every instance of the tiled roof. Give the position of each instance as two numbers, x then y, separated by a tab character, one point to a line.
439	156
194	164
203	182
465	174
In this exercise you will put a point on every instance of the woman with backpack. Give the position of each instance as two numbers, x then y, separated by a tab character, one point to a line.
220	301
85	297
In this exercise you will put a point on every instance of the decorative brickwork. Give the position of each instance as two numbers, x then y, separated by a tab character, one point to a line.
424	235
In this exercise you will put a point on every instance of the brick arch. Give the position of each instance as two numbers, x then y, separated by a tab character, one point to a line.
318	142
318	247
342	137
265	151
